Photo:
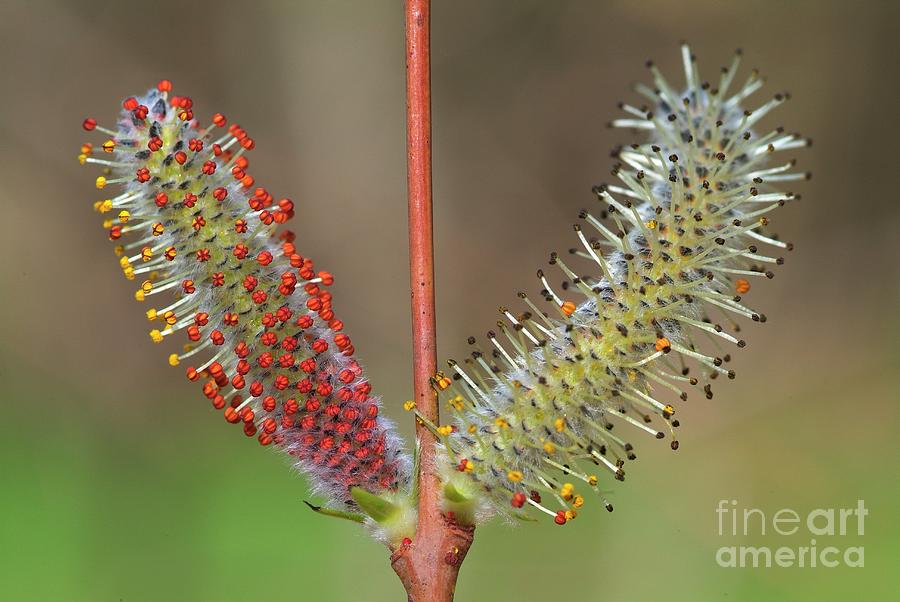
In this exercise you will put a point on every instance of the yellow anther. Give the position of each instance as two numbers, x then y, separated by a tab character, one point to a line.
173	359
106	206
441	381
107	224
156	336
472	429
157	229
632	375
118	250
663	344
170	318
515	476
668	410
146	253
124	216
444	431
566	491
109	146
124	262
549	447
86	148
100	182
502	423
82	158
571	514
151	314
559	424
409	405
129	273
146	286
651	224
139	295
578	502
592	480
456	403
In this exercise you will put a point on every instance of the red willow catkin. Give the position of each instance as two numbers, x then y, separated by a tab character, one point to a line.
260	332
672	252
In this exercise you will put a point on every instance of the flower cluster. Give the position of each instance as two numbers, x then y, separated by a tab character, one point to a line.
260	333
548	409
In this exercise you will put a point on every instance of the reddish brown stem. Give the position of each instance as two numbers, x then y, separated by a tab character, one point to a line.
429	566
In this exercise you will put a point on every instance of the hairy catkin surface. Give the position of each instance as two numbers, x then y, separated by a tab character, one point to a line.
256	318
551	404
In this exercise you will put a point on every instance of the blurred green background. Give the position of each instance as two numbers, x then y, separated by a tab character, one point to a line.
121	483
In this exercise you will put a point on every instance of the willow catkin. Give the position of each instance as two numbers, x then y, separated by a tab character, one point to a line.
256	317
551	404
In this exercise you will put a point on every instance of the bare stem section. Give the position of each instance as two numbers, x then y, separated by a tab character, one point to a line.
428	567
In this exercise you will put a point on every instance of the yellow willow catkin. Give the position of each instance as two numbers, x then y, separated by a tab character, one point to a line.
550	404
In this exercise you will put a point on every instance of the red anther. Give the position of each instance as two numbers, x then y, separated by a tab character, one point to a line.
282	382
264	258
189	199
210	389
320	346
218	279
351	414
269	403
195	144
248	143
266	218
289	343
265	438
362	452
155	143
256	388
304	321
311	289
345	393
215	369
115	233
203	255
230	319
372	411
259	297
209	168
346	376
249	429
518	499
240	250
250	283
237	172
130	103
241	350
181	157
343	428
240	226
237	381
345	445
296	260
308	365
220	194
307	422
243	367
269	425
265	359
247	181
216	337
218	402
336	325
313	304
286	205
327	278
268	338
326	314
326	442
185	102
406	541
201	319
198	222
291	406
217	150
161	199
283	314
142	174
219	120
164	85
349	350
269	320
141	112
89	124
362	436
306	273
324	389
342	341
560	518
286	360
312	404
188	286
192	373
231	415
304	386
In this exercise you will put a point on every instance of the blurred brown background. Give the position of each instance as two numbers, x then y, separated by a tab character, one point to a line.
121	484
